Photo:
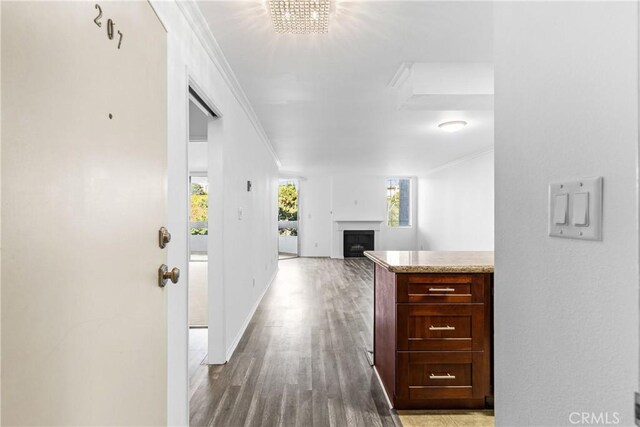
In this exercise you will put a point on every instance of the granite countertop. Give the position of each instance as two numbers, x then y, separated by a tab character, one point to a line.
433	261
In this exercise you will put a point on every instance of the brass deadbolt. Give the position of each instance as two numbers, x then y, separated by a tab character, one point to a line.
164	237
165	275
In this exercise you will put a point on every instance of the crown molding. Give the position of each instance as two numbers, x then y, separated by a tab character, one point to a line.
198	23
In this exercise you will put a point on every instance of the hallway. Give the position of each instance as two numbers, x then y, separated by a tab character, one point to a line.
302	359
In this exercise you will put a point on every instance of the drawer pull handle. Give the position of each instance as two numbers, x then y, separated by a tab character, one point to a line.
442	377
442	328
441	290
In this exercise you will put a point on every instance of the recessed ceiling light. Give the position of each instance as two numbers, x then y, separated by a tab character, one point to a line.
300	16
452	126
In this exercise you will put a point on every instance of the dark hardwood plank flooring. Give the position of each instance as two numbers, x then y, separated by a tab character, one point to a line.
301	361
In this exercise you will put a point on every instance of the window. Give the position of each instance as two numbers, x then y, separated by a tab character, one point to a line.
288	208
399	202
199	206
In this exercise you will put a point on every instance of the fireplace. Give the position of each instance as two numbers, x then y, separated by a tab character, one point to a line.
358	241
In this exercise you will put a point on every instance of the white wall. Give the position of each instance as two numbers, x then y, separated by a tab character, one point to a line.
455	206
358	197
245	157
0	217
288	244
566	311
0	205
198	243
198	156
250	243
315	216
348	197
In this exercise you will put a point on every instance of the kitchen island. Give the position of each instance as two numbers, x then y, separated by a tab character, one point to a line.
433	328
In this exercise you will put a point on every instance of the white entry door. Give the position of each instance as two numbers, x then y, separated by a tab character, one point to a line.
84	122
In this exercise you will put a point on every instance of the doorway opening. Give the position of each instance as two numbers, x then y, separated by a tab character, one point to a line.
200	117
288	206
198	253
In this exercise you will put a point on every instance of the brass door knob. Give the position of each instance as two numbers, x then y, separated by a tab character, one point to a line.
164	237
165	275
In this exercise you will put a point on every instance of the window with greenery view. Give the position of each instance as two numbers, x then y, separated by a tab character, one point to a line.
199	206
399	202
288	207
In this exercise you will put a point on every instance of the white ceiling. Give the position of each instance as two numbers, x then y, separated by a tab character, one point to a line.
324	99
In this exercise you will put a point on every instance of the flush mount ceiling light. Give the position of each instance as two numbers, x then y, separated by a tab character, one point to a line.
300	16
452	126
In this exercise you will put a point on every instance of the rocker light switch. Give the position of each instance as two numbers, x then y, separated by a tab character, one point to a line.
560	209
581	209
582	199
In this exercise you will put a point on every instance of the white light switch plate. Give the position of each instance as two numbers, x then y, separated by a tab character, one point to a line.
593	228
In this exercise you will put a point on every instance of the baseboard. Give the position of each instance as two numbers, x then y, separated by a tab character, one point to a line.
384	390
236	340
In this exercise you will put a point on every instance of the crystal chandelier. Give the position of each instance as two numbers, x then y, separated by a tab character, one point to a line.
300	16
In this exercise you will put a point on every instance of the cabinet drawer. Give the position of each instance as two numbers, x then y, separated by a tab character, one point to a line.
441	288
440	327
441	375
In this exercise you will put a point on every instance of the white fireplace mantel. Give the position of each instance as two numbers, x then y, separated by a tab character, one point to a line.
341	225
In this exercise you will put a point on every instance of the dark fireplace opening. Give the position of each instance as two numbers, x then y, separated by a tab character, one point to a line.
357	241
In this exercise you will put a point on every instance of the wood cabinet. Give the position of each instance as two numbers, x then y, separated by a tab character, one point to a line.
433	338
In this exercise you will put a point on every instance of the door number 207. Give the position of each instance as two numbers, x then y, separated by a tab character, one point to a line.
110	25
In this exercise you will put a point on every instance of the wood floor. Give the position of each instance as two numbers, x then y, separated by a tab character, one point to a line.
302	359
